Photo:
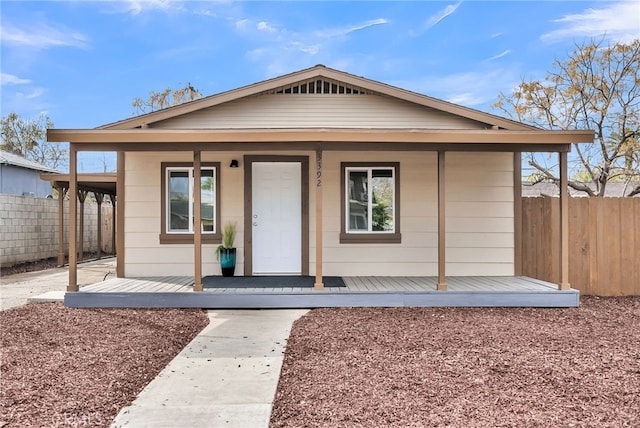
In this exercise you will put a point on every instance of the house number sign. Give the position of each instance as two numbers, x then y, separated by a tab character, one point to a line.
318	168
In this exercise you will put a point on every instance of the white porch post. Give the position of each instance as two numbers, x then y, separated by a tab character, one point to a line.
442	282
564	223
73	219
197	223
319	285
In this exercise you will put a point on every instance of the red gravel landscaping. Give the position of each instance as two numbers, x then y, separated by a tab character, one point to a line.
79	367
463	367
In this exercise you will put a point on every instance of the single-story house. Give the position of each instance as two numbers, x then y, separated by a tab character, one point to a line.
21	176
325	174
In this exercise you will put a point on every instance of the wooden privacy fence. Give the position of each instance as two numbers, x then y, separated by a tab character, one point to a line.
604	243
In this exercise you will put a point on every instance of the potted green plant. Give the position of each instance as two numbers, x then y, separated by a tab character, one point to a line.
226	252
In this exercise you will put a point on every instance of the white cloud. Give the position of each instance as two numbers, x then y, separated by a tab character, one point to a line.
478	88
310	49
35	93
206	12
10	79
339	32
619	22
241	24
136	7
42	36
367	24
264	26
500	55
435	19
283	50
29	101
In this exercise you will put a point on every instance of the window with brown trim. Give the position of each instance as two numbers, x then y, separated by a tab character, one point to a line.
370	202
177	219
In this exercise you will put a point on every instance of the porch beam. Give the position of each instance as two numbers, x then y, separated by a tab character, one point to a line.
319	284
564	224
442	281
119	224
218	146
73	219
197	223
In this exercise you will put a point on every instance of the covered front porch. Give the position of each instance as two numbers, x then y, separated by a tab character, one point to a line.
359	291
459	190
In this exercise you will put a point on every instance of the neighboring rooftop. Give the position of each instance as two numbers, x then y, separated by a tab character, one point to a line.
614	189
7	158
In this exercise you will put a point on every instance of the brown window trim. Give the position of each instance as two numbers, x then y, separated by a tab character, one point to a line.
370	238
187	238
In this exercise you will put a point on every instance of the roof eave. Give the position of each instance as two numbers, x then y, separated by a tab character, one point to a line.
301	135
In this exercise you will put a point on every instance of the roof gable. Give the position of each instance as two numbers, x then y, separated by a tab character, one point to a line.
323	81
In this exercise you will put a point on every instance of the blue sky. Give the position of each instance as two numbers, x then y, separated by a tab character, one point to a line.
83	62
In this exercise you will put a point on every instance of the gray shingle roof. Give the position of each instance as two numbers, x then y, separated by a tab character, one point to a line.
7	158
613	189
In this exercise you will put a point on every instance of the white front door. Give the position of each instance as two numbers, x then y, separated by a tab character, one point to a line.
276	218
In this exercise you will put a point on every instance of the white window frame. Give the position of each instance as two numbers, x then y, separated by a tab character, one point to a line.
369	170
190	171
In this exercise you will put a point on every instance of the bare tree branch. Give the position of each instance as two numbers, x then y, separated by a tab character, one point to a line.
164	99
581	187
27	138
596	87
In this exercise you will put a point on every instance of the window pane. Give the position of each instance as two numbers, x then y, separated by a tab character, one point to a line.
208	198
358	201
179	200
382	200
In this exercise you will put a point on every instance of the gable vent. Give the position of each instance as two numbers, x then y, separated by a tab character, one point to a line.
320	86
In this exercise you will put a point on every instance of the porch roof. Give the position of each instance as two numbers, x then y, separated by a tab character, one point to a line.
104	183
142	139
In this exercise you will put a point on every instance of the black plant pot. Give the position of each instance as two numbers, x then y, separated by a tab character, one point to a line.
228	261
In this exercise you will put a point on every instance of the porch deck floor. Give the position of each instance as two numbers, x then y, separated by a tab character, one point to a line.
177	291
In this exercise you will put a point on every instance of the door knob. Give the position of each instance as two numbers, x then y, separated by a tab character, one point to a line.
255	223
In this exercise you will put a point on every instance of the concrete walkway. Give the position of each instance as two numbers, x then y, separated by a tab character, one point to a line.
226	377
50	284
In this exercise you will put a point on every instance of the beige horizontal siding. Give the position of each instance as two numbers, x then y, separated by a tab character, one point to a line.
380	269
486	240
144	255
184	269
479	216
314	110
479	225
479	193
480	269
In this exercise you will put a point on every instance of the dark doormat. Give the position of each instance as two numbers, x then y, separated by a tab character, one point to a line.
268	281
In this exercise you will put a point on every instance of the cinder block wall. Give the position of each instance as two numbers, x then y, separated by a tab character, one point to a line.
29	228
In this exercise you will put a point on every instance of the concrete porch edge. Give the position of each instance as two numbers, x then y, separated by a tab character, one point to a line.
324	299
